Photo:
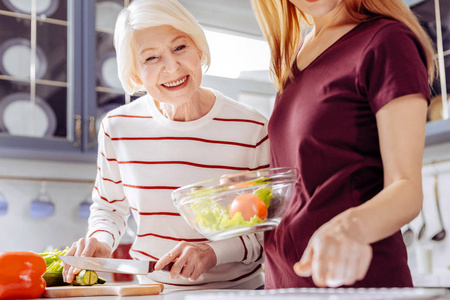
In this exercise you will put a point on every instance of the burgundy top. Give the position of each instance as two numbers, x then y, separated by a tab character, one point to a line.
324	125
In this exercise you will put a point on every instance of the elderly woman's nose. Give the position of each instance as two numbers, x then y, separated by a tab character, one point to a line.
171	64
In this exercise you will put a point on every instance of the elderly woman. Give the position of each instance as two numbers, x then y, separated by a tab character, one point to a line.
177	134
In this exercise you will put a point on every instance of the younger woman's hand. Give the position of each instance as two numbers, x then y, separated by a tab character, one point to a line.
191	260
89	247
335	254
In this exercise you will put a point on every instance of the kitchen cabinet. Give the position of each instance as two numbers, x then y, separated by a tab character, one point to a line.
434	16
58	76
40	83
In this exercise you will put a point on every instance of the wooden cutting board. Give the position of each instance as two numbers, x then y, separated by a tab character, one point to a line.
103	290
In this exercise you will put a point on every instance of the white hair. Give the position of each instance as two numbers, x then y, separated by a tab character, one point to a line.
141	14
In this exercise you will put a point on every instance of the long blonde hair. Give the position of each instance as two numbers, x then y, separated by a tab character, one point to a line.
283	24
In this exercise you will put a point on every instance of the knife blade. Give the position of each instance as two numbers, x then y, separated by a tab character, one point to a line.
113	265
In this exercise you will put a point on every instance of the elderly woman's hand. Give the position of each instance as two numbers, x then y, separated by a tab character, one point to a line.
89	247
191	260
335	254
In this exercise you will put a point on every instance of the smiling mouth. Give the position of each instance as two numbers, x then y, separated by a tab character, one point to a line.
175	83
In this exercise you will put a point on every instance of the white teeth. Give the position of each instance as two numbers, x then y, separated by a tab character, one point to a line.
175	83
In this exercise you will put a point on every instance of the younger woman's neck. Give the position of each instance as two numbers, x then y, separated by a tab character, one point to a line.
334	18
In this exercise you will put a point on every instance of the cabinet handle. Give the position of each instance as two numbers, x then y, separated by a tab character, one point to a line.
91	132
77	131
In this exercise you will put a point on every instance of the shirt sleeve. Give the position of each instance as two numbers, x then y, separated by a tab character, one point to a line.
393	65
246	249
110	208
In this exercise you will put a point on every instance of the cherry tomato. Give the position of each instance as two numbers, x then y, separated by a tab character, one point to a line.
249	205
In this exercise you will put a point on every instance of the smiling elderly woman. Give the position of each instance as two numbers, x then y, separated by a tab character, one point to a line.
177	134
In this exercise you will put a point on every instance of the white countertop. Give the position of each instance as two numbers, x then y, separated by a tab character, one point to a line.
287	294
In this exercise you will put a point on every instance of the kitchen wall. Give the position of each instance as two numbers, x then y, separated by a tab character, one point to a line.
20	232
429	260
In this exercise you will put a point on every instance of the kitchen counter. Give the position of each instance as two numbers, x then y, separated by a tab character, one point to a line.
288	294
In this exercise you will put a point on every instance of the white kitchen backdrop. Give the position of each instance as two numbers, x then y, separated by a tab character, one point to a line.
19	230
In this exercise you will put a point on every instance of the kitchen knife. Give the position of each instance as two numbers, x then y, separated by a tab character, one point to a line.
113	265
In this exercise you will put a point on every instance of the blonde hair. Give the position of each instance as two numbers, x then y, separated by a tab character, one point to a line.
141	14
282	25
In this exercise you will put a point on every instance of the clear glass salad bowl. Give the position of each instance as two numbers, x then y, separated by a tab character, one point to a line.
237	204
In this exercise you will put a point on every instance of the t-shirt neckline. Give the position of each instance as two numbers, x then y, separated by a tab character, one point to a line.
297	71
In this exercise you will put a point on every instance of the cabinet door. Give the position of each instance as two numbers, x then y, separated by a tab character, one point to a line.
434	16
103	90
40	77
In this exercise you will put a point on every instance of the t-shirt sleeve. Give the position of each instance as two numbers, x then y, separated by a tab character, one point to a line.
393	65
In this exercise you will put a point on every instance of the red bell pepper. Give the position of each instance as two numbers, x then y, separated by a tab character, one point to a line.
21	275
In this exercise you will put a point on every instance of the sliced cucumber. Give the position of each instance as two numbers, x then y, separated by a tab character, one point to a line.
86	277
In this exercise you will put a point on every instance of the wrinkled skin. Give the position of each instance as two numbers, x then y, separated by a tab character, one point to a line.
192	260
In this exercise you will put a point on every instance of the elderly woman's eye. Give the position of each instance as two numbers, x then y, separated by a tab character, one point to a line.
181	47
151	58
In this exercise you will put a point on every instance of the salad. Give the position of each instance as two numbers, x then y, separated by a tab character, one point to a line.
246	209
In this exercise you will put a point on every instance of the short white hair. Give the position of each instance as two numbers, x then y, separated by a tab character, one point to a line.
141	14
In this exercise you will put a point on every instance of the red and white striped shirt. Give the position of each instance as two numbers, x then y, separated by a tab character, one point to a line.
144	156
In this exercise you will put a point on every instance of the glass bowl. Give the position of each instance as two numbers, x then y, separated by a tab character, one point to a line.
237	204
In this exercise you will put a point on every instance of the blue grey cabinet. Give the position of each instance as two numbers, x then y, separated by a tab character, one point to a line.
57	77
41	90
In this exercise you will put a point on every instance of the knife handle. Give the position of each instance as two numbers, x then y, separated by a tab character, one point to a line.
151	266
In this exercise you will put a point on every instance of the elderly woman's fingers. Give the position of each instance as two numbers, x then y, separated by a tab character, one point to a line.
89	247
192	260
66	269
201	257
187	271
70	271
169	257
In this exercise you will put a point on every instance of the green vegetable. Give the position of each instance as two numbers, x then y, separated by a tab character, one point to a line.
53	273
101	280
265	194
211	216
86	277
51	257
54	279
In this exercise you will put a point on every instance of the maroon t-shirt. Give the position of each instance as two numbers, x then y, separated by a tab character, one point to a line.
324	125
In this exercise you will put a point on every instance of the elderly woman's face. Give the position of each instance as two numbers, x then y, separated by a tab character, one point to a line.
168	64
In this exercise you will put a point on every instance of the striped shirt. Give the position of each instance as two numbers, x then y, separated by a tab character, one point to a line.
144	156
